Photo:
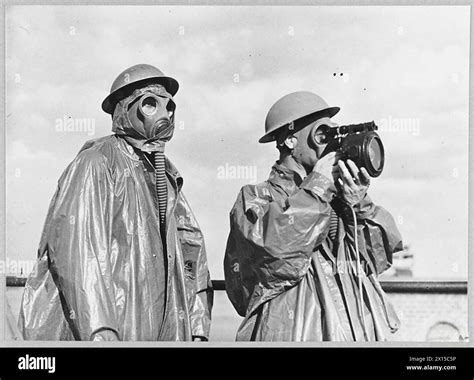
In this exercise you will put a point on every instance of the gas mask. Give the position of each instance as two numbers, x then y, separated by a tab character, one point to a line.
146	116
152	115
145	120
357	142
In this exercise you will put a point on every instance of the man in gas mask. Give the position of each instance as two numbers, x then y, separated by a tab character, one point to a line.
121	255
291	264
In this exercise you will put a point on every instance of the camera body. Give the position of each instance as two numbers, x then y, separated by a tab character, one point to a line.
359	143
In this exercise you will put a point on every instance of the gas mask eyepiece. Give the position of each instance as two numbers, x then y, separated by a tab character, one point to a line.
357	142
150	104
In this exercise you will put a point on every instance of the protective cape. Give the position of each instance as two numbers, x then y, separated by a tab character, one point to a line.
290	280
102	265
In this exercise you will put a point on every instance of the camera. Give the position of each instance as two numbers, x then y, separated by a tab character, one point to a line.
357	142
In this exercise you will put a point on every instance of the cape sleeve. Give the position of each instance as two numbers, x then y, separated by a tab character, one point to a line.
379	237
270	244
198	282
78	239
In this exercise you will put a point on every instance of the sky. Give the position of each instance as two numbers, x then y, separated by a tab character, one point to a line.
406	68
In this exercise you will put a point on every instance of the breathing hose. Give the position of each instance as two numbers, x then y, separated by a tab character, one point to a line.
161	189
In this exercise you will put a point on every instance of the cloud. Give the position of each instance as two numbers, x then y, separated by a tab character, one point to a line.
20	151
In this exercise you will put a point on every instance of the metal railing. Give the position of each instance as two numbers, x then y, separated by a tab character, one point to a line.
446	287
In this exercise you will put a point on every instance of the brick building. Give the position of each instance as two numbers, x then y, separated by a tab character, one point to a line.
431	316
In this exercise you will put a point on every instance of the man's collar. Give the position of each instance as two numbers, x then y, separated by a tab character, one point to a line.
288	180
134	153
173	173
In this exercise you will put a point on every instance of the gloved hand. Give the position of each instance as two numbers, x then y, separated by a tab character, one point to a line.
104	336
352	182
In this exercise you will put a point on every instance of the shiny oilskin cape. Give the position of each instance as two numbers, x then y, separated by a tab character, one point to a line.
291	281
101	259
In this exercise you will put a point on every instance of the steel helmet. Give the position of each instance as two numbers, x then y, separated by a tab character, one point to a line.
128	80
292	107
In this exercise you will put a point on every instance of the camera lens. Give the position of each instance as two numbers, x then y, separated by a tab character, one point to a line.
375	153
366	150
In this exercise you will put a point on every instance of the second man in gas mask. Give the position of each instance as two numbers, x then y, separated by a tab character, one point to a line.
307	245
